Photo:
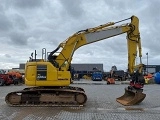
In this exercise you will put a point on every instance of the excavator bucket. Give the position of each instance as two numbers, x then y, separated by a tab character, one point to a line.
131	97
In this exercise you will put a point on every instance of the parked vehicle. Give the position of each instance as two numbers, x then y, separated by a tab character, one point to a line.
97	76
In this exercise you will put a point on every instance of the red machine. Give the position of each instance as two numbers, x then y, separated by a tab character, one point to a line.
9	78
5	79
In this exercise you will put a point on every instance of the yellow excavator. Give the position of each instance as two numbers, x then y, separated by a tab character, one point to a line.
50	80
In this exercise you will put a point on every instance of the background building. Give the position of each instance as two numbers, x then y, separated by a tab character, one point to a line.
152	68
21	66
87	67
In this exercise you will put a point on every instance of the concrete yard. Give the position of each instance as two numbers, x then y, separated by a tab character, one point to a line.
101	105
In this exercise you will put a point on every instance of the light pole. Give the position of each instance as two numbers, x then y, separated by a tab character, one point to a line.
147	62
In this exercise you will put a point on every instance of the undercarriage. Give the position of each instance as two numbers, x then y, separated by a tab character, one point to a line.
47	96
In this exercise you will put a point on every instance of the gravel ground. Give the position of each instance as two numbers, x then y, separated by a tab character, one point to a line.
101	105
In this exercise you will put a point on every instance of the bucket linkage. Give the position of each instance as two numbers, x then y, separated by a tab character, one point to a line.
133	93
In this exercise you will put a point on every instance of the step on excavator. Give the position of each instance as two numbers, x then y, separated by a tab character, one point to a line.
52	78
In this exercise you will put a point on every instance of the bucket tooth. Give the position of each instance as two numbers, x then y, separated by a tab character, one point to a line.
131	97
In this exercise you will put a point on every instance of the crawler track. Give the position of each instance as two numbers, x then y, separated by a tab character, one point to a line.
47	96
